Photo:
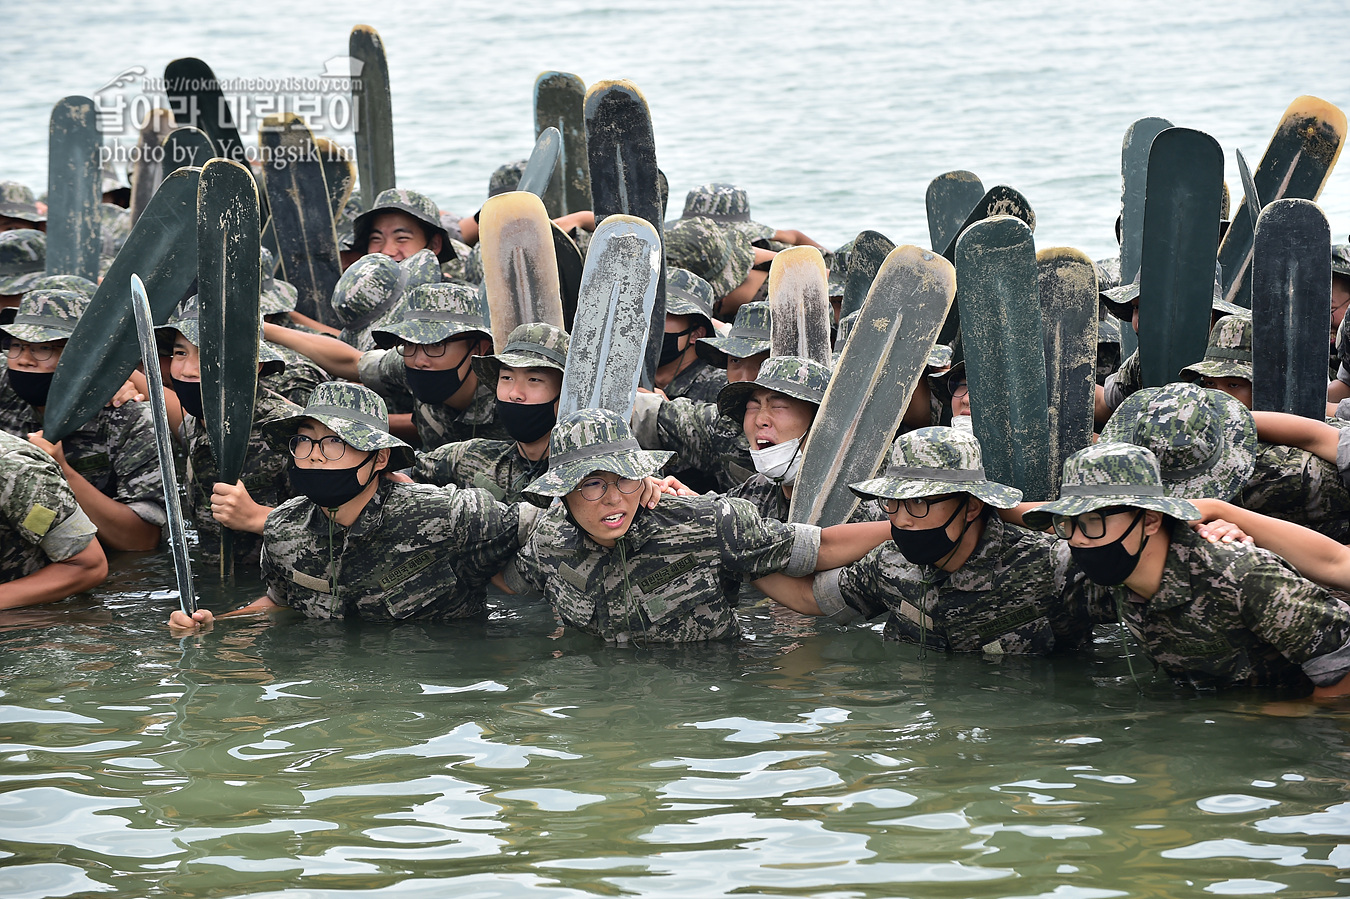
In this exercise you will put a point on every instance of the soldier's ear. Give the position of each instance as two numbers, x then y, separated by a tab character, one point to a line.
974	508
1152	522
382	460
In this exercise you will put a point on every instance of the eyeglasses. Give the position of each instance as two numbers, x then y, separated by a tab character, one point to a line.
332	448
592	489
1091	525
41	352
431	350
958	388
917	507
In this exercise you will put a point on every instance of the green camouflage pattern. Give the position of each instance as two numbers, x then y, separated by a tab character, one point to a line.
769	500
492	465
718	255
17	202
531	345
354	413
414	553
688	294
934	461
1110	474
22	252
431	313
274	296
65	282
114	451
372	293
697	381
838	279
701	438
593	440
114	228
727	205
419	206
749	336
344	224
384	372
1293	484
1204	440
1229	351
794	376
40	521
298	379
45	315
1340	259
186	320
674	577
1229	615
1017	594
1125	381
506	177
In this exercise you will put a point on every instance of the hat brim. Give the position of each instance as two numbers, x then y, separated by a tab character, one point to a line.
21	212
280	297
1217	368
424	332
278	434
1120	300
992	493
732	398
37	333
489	367
363	223
563	479
21	283
1040	518
715	350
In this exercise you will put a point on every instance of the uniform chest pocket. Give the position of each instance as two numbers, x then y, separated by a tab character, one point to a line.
675	586
571	597
1020	629
399	585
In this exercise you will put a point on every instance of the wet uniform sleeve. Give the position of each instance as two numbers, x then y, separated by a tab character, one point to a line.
488	533
1306	624
136	464
754	546
854	591
528	571
40	506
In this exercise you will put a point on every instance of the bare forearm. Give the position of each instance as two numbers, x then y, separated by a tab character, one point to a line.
306	322
1337	390
1317	557
82	571
332	355
790	592
119	527
1316	437
844	544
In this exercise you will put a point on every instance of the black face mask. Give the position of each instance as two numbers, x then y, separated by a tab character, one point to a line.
433	386
929	546
329	488
1110	564
527	422
670	346
189	397
31	386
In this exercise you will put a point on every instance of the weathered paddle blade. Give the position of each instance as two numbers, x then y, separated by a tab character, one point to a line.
625	179
570	266
73	189
1291	309
559	102
149	352
950	198
1181	236
1005	353
1296	165
339	174
870	249
196	100
1249	196
618	292
882	362
520	266
543	160
799	305
373	114
998	200
148	169
1133	179
302	215
1067	285
186	146
102	351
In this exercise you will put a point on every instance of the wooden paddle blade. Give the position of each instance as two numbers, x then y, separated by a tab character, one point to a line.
520	265
73	189
197	101
799	305
559	102
570	266
872	383
543	160
186	146
998	200
870	249
618	291
1067	285
1133	179
1181	236
148	169
949	200
1005	353
339	174
1291	309
373	114
1250	198
102	350
1296	165
228	284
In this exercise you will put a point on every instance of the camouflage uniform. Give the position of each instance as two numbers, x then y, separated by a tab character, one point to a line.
1124	381
728	205
718	255
749	336
689	295
298	379
367	295
419	206
17	202
702	439
23	256
40	522
414	551
115	451
675	575
768	499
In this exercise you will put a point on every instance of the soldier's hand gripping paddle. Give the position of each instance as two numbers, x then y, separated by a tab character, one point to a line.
1067	285
543	160
1005	352
102	351
73	189
228	284
949	199
882	362
799	305
1181	235
618	292
560	102
1296	165
145	333
520	268
373	114
870	249
1291	309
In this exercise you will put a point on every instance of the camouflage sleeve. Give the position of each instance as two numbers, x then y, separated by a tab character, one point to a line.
273	577
528	572
676	425
383	372
1304	622
488	534
40	506
754	546
136	464
439	466
855	591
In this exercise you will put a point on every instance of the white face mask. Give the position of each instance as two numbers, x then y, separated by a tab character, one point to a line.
779	463
961	423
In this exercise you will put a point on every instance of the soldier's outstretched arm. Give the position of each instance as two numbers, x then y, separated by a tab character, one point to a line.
57	580
844	544
181	624
1316	437
332	355
1317	557
795	593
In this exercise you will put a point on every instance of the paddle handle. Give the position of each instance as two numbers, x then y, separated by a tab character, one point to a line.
140	305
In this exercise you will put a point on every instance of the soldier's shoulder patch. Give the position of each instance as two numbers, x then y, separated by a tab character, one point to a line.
39	520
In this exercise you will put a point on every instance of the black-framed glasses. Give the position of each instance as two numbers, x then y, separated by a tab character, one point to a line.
1091	525
41	352
331	448
407	350
915	507
958	388
592	489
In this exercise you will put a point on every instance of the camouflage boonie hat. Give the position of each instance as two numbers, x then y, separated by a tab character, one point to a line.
749	336
688	294
1340	259
1110	474
725	204
933	461
719	256
940	382
355	413
1204	440
185	321
939	357
794	376
506	178
345	223
45	315
433	313
367	284
533	345
17	202
1108	330
23	254
593	440
82	286
419	206
1120	299
275	296
1229	351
